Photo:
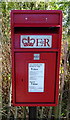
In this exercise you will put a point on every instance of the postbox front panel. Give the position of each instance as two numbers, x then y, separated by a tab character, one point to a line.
36	46
32	69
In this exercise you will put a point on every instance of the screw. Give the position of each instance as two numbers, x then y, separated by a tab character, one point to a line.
26	18
46	19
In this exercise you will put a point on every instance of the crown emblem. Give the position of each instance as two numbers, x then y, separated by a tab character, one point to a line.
28	41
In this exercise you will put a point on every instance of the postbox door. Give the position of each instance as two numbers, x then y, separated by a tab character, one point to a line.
22	62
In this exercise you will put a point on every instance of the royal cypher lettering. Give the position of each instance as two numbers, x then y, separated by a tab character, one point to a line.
38	42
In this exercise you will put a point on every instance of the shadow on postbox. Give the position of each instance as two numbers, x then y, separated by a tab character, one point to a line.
36	46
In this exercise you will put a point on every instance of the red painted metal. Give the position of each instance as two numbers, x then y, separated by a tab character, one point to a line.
35	22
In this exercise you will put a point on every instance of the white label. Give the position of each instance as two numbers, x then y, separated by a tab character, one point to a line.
36	41
36	77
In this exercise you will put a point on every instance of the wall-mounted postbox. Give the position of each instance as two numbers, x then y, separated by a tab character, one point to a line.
36	44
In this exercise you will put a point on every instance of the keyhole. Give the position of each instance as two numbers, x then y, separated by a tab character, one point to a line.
22	80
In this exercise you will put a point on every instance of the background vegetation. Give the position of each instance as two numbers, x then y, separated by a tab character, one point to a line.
61	111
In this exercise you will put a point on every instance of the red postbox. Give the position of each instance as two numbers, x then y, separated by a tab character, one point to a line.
36	46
